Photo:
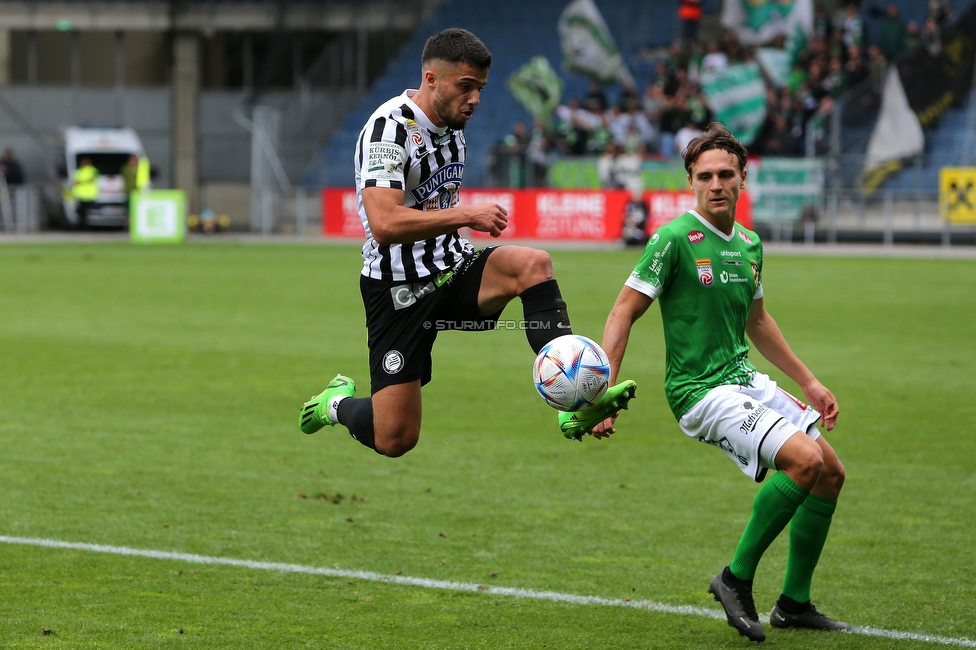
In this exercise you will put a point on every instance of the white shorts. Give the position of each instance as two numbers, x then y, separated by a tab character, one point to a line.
750	423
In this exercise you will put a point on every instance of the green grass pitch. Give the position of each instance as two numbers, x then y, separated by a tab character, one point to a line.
149	399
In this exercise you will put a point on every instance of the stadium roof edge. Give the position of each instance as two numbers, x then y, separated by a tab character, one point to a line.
208	17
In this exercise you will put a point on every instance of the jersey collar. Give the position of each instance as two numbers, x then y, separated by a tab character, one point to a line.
421	117
705	222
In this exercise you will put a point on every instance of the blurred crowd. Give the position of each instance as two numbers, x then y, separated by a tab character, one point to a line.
660	119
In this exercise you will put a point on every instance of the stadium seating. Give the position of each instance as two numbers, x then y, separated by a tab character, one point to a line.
515	31
907	9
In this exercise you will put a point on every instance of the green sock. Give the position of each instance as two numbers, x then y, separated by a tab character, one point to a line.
774	506
808	532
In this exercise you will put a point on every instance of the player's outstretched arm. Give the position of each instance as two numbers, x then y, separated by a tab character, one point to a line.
392	223
769	340
630	306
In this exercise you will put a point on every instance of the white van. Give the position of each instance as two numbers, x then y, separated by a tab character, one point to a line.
108	149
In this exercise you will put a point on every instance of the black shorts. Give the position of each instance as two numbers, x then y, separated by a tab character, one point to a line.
403	318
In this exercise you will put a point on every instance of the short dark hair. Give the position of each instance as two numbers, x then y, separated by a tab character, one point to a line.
716	136
456	45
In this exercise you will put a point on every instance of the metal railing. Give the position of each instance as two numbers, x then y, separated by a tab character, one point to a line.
295	211
21	209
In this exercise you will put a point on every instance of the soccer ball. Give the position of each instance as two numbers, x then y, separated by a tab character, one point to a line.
571	372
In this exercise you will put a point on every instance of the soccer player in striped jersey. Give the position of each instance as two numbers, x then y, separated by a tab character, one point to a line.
419	274
706	271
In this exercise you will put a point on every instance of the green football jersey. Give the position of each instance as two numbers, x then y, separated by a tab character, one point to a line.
706	283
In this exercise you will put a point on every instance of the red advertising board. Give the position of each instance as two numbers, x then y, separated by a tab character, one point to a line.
340	213
555	214
587	215
664	206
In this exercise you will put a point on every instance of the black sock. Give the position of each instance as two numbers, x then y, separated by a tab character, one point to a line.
356	414
736	583
545	314
791	606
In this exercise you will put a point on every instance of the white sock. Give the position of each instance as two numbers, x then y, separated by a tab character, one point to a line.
334	407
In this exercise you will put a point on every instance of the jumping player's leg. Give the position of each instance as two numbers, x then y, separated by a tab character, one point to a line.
397	411
400	340
527	273
388	422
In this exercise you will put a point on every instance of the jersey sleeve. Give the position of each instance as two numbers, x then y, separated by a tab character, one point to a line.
384	155
653	272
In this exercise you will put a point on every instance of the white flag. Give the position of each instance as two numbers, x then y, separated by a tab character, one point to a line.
588	46
897	134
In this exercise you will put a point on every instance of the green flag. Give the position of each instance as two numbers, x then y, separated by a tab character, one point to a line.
778	63
757	22
737	97
537	87
588	45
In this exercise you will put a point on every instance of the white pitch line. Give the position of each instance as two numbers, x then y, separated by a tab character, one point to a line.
426	583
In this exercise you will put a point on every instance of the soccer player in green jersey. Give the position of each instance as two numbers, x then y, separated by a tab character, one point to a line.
706	272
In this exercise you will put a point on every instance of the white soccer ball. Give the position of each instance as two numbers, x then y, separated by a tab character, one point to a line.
571	372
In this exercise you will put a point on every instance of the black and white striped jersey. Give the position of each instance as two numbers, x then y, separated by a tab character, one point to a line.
399	147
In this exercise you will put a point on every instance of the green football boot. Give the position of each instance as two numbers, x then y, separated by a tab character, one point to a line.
315	413
575	424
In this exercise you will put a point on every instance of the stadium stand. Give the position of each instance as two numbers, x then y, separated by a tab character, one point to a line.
514	31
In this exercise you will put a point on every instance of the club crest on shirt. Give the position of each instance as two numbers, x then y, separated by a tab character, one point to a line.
705	275
446	197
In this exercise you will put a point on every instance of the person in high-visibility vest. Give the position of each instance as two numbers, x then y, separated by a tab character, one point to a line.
84	189
142	174
135	173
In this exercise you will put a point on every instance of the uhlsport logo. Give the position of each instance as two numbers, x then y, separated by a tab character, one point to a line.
705	275
392	362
